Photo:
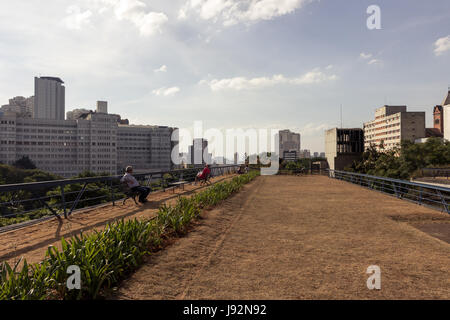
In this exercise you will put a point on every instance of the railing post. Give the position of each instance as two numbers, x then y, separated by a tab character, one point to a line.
63	198
444	203
75	203
112	192
395	189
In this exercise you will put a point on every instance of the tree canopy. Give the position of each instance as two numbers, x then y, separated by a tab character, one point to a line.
24	163
403	161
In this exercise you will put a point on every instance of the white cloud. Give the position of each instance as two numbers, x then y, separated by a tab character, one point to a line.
365	55
163	68
76	18
134	11
166	91
442	45
241	83
231	12
374	61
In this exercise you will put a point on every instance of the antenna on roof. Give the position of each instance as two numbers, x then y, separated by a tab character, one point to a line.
341	116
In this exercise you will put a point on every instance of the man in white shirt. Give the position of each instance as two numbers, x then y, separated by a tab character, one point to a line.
133	184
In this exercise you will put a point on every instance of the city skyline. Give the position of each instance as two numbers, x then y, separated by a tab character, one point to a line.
289	66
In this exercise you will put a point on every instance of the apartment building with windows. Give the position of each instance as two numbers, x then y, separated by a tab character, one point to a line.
392	125
95	142
146	148
22	106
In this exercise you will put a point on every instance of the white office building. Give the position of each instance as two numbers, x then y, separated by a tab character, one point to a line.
94	142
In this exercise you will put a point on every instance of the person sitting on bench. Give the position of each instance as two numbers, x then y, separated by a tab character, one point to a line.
133	184
204	175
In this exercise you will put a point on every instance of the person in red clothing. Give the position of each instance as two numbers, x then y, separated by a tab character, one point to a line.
204	175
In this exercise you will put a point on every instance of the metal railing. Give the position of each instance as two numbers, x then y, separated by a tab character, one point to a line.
423	194
435	172
60	198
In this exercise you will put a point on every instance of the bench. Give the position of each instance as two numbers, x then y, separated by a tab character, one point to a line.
177	184
129	194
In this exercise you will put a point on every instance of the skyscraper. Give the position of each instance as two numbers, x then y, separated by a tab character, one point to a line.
199	152
49	101
289	144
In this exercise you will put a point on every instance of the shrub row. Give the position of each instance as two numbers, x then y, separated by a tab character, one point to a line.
108	256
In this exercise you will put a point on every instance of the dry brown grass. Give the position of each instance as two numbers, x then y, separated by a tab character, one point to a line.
288	237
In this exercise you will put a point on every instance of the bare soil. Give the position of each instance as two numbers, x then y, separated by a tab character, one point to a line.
31	242
310	237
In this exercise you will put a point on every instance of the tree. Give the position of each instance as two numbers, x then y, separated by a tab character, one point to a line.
403	161
24	163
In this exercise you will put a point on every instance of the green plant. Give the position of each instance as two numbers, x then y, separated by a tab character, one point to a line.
106	257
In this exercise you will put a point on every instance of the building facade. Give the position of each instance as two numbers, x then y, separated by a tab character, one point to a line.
446	116
438	118
290	156
76	114
392	125
198	152
343	147
22	106
289	144
95	142
146	148
49	98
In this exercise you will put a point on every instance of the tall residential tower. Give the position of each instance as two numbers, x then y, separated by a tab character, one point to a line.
49	98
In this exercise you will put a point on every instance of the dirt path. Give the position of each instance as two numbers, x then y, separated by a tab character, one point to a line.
287	237
31	242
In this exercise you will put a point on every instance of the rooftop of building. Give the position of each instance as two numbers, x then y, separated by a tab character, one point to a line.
433	132
349	129
140	126
52	78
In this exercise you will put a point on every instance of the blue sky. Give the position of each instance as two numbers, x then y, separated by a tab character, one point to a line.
231	63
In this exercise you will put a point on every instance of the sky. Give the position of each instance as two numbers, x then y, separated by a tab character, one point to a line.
287	64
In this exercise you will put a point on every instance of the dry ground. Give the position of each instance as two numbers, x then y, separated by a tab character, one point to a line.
31	242
286	237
